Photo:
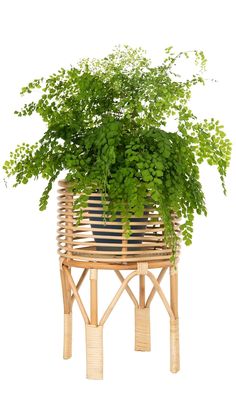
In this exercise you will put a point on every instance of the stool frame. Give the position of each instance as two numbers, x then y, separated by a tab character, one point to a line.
94	326
78	249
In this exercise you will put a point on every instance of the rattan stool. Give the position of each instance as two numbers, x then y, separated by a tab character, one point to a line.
80	247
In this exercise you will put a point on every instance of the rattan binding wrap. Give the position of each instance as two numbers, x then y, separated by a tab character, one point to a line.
67	352
174	345
76	242
94	352
142	329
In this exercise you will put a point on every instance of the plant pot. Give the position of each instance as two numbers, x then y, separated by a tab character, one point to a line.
109	232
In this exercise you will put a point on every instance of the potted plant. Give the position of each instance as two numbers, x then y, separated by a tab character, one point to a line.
107	125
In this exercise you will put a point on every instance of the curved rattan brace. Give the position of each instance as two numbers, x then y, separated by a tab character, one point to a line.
153	291
91	244
116	297
129	291
81	280
76	294
161	294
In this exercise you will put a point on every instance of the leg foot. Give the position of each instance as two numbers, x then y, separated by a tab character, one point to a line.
174	345
67	352
94	351
142	329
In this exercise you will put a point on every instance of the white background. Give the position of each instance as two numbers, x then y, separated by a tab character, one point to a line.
37	38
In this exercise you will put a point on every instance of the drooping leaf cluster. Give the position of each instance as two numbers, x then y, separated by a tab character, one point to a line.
106	126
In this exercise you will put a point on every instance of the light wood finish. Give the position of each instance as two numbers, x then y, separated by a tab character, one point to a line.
142	268
141	291
153	291
67	351
174	290
94	352
80	247
124	247
174	323
77	297
142	329
81	280
116	298
142	316
129	291
174	346
111	266
79	242
69	224
93	297
66	292
161	294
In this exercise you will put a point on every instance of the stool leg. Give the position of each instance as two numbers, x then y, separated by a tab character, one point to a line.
142	320
174	345
142	329
94	335
174	323
94	352
67	349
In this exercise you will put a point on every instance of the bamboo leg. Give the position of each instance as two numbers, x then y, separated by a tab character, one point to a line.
142	291
93	297
94	335
67	347
142	329
67	350
142	320
174	322
71	283
94	352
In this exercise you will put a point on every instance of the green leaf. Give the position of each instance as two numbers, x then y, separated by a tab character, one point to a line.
106	125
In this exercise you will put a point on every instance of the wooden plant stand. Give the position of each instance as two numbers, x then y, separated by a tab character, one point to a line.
77	249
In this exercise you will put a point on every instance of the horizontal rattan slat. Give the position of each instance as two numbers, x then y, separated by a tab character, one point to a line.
114	258
77	229
90	249
115	266
96	241
62	238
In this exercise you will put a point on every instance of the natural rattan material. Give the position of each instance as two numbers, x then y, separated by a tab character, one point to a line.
67	353
174	345
79	248
142	329
77	242
94	351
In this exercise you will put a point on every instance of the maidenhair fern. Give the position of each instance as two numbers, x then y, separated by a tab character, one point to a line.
107	124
